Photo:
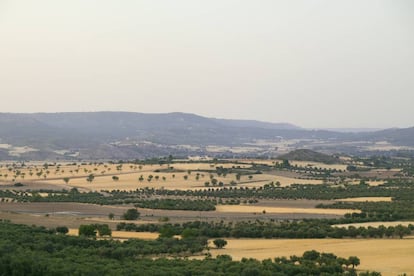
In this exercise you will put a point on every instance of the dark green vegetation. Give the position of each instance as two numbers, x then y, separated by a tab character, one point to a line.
220	243
131	214
375	211
26	250
178	204
306	229
91	230
119	197
401	208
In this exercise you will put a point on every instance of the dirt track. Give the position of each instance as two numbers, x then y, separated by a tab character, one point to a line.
53	214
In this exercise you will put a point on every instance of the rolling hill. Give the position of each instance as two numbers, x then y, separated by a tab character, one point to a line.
127	135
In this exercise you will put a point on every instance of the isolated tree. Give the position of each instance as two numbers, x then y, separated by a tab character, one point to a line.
285	164
111	216
66	180
90	178
354	261
115	178
220	243
131	214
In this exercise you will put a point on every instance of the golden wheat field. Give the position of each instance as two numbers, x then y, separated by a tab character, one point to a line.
185	176
388	256
37	172
178	180
124	234
167	180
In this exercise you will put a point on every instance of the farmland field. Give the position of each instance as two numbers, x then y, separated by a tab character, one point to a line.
52	177
301	198
390	257
122	235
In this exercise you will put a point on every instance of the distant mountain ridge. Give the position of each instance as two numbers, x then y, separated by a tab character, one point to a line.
254	123
94	135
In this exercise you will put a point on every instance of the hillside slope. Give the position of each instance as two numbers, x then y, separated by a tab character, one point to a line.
127	135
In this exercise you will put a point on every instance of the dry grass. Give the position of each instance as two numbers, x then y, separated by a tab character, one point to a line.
69	170
280	210
129	174
206	166
375	183
388	256
130	181
124	234
365	199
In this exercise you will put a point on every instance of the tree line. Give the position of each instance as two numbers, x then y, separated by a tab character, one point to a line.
306	229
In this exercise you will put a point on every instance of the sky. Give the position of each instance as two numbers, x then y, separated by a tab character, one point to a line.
313	63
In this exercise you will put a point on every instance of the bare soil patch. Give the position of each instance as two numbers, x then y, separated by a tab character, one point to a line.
365	199
280	210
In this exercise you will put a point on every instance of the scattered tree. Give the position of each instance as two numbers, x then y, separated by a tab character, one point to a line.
131	214
220	243
87	230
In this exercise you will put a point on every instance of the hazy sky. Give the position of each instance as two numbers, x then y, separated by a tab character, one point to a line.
314	63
